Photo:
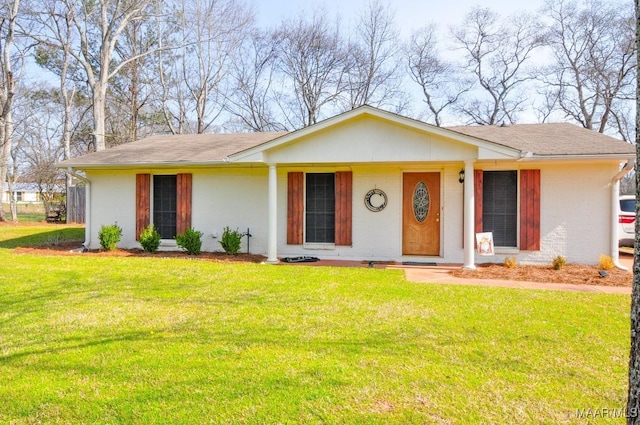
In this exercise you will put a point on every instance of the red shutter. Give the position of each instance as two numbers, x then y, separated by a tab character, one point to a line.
530	210
143	202
183	204
295	207
478	179
344	200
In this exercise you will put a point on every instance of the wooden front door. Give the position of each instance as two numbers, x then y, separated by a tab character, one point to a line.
421	214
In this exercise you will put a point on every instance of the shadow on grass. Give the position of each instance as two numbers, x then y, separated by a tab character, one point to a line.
76	343
52	237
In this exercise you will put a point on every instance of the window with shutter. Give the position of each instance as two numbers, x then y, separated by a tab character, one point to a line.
323	212
320	208
171	196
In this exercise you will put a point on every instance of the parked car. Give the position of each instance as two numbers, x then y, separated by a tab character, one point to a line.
627	220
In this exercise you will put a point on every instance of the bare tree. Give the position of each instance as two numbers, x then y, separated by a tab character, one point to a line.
194	79
130	94
440	80
14	165
591	79
8	17
13	177
313	61
373	76
98	27
171	93
252	76
37	147
496	54
55	18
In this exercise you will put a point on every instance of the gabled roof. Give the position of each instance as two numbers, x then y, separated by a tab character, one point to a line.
383	115
531	141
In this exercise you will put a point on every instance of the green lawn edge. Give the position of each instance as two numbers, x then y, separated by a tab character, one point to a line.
88	339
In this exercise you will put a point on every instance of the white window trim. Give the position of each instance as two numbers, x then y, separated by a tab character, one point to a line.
511	250
319	246
313	245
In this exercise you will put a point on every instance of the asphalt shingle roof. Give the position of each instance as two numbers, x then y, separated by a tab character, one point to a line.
560	139
549	139
175	149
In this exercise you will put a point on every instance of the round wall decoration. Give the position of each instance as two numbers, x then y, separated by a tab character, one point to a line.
375	200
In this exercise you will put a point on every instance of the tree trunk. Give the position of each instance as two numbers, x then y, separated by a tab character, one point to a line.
4	164
13	202
633	401
14	210
6	98
99	107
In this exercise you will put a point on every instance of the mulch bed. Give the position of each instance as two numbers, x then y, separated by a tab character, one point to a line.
570	273
69	248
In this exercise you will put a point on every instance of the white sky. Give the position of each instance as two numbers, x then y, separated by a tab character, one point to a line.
410	14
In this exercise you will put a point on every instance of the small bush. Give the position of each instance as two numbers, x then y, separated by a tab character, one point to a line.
606	262
190	241
109	236
558	262
55	239
510	262
231	240
150	239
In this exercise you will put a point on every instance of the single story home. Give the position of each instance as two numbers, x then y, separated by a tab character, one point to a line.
22	193
370	185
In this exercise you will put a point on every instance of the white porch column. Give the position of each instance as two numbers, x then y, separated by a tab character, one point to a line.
272	242
469	217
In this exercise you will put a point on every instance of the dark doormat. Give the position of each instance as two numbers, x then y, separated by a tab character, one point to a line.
418	263
302	259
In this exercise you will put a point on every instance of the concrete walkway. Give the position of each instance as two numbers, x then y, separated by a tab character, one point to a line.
440	274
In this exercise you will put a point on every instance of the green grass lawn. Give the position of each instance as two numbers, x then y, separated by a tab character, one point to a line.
86	339
27	212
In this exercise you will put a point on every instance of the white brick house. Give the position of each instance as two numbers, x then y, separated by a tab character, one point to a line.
370	185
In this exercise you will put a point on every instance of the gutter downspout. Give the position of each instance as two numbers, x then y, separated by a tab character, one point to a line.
615	191
87	207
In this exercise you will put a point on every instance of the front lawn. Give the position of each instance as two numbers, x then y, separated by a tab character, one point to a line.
124	340
27	212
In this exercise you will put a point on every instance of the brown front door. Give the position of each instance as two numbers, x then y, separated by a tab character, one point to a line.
421	214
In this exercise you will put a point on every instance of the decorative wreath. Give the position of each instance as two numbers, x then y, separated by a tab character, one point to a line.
375	200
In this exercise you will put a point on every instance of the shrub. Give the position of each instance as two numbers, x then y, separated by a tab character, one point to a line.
55	239
231	240
510	262
558	262
109	236
190	241
606	262
150	239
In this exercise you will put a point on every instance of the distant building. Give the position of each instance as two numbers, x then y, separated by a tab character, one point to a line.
22	193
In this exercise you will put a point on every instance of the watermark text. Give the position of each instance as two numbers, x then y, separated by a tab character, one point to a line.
606	412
